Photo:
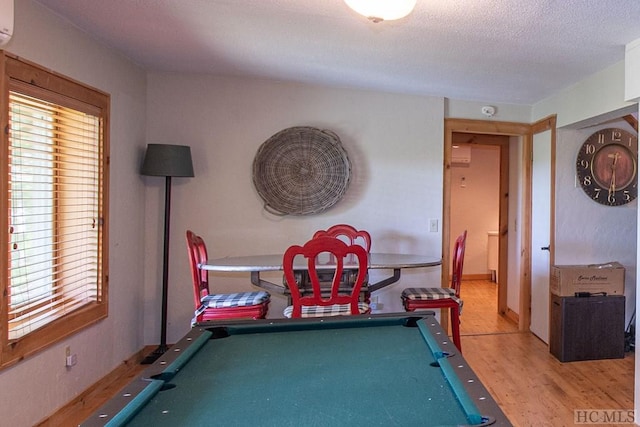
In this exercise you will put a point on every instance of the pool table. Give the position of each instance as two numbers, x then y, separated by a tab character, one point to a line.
388	369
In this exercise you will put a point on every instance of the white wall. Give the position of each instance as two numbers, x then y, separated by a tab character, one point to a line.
475	205
595	96
394	143
461	109
631	66
37	386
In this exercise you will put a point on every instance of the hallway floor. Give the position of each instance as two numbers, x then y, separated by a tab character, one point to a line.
480	310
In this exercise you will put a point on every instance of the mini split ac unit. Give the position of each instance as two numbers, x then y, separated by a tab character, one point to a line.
461	154
6	21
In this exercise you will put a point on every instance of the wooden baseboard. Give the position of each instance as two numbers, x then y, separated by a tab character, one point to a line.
81	407
513	316
482	276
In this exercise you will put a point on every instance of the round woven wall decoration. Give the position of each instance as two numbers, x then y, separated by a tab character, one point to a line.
301	171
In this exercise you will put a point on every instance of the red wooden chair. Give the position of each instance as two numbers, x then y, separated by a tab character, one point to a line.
210	306
430	298
336	302
348	234
351	236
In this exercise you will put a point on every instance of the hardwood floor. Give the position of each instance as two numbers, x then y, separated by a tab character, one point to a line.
531	386
479	313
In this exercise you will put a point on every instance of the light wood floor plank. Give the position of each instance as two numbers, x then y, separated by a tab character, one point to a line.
479	312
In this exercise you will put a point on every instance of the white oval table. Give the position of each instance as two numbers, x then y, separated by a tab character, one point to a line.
256	264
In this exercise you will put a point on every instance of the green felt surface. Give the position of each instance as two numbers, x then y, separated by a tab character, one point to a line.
350	376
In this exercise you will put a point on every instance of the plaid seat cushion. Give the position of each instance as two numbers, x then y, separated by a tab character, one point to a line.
328	310
418	294
236	299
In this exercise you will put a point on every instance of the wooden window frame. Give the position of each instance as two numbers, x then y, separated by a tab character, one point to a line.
15	70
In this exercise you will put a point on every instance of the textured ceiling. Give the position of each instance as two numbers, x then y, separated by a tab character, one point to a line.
512	51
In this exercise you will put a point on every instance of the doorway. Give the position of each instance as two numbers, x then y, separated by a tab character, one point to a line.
479	161
515	261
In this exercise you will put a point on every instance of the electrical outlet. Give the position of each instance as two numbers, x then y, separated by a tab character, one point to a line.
70	359
375	304
433	225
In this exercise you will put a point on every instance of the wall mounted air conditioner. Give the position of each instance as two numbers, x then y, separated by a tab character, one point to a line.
461	154
6	21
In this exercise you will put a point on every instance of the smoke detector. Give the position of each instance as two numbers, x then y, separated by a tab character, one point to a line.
488	110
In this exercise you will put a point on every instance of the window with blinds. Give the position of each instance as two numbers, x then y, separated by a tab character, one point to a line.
55	195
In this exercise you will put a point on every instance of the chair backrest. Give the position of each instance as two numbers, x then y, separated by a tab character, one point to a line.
338	251
348	234
197	255
458	261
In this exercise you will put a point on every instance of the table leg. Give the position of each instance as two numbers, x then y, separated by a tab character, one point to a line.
256	280
386	282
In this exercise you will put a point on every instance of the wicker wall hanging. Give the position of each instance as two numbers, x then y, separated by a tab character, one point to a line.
301	171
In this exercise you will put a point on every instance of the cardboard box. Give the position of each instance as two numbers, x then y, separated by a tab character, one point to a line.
566	280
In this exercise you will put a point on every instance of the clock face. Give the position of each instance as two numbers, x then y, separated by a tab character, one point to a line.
607	167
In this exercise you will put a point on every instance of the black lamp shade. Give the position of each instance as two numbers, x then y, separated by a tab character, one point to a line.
167	160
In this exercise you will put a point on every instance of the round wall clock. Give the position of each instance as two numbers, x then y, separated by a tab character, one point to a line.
607	167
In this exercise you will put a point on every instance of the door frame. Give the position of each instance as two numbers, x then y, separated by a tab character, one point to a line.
525	131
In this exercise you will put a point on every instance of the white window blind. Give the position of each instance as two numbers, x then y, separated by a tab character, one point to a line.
54	187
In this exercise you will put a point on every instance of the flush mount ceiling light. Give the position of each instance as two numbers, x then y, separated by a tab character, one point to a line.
382	10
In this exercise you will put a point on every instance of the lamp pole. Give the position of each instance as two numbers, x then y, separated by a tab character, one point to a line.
167	161
165	265
162	348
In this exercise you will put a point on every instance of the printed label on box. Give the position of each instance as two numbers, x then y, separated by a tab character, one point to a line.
567	280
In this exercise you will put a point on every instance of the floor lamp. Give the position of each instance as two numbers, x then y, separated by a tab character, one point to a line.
168	161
